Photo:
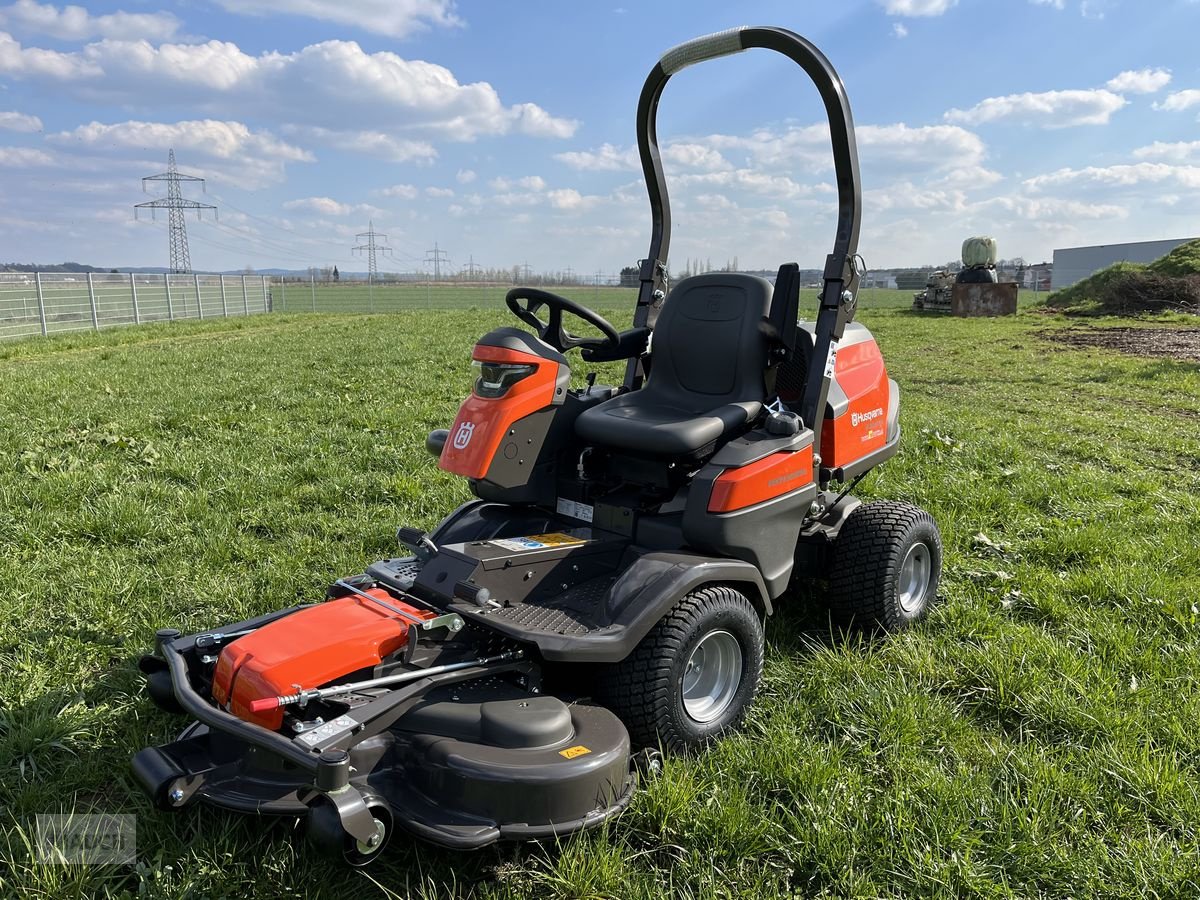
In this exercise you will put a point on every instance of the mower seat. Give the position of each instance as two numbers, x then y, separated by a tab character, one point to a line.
706	385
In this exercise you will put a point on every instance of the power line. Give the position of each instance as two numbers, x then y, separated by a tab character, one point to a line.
437	257
472	268
175	204
371	249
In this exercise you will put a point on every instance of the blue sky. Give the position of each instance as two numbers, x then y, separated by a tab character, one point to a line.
504	131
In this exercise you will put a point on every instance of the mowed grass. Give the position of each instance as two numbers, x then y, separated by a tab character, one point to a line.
1037	736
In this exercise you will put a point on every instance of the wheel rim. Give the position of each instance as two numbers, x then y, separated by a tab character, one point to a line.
364	849
915	573
711	676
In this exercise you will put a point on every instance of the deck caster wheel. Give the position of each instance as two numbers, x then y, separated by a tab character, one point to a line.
887	561
326	833
162	692
693	677
648	763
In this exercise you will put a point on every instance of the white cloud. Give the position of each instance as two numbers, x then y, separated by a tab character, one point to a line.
226	150
368	143
322	85
1179	100
609	158
570	199
694	156
529	182
325	206
75	23
1050	209
1125	175
1140	81
905	195
35	62
439	192
1050	109
916	7
751	180
1179	151
895	147
24	157
15	121
394	18
1057	4
465	176
403	191
899	30
531	119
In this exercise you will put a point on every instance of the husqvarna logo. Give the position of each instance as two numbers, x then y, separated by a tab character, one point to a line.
462	437
856	419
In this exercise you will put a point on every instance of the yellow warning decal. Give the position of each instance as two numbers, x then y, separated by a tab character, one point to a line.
572	752
538	542
557	539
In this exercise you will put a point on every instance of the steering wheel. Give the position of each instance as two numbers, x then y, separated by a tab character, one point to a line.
551	331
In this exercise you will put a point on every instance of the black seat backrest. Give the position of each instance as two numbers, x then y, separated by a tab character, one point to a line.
708	347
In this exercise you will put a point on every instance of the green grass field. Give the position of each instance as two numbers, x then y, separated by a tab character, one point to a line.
1038	736
358	297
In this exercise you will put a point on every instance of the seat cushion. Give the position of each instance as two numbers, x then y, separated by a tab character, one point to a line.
658	429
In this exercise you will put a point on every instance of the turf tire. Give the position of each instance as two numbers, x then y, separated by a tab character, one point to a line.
645	690
865	589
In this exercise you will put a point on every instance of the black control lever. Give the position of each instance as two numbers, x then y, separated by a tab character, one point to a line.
418	542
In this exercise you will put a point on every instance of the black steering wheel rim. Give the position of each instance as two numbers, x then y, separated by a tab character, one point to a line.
552	330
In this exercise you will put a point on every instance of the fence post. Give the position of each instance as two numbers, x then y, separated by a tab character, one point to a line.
245	299
224	305
92	299
137	315
283	290
199	302
167	285
266	291
312	283
37	277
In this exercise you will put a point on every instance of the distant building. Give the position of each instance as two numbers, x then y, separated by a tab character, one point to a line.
879	280
1077	263
1039	276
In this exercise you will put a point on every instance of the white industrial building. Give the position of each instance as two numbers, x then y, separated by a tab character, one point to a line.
1074	264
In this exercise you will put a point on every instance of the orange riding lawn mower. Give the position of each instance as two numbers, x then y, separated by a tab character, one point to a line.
603	597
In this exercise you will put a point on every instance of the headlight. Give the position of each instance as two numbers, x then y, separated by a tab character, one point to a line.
494	379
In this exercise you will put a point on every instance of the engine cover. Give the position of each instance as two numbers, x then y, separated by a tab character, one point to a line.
308	649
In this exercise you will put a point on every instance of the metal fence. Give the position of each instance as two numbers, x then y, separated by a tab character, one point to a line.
33	303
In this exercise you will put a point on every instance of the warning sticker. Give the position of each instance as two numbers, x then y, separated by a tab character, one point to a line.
538	542
831	362
574	509
572	752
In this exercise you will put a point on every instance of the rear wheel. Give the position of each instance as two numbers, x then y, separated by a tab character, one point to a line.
693	676
887	561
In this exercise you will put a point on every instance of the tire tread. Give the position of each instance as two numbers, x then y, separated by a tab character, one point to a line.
639	688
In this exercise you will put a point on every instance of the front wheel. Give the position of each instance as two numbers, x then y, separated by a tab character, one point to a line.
325	831
693	677
887	561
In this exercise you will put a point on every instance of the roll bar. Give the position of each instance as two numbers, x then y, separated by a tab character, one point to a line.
838	301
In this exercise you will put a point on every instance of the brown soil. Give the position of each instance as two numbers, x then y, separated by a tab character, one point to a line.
1183	343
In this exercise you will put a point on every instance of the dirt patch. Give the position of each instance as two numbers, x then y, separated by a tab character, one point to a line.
1183	343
